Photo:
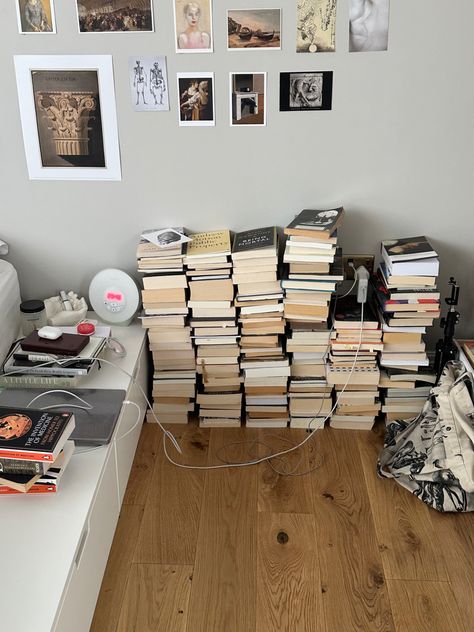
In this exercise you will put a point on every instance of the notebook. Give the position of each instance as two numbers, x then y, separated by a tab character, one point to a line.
67	344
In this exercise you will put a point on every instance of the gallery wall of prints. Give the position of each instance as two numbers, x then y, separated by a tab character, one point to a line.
231	114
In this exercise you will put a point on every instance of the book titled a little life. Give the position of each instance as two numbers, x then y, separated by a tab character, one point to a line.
33	435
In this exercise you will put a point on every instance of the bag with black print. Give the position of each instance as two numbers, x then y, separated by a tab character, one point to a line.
433	455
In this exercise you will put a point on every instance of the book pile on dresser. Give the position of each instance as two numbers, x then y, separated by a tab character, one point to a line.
408	301
355	349
164	316
214	328
259	300
34	449
313	267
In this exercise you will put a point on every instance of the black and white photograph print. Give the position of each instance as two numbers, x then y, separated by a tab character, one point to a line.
35	16
68	116
115	16
193	26
166	237
305	91
251	29
247	98
196	99
368	25
148	83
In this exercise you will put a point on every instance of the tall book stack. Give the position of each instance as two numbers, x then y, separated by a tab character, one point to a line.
405	287
215	330
259	296
313	266
352	366
34	449
164	316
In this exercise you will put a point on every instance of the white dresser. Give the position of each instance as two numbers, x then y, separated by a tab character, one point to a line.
55	546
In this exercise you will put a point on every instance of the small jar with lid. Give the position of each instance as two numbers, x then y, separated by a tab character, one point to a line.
33	316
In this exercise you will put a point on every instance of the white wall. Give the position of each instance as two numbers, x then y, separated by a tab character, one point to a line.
396	150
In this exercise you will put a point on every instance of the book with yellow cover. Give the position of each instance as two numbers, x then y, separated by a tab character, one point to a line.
209	244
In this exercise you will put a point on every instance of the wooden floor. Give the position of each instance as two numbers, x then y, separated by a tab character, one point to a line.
246	550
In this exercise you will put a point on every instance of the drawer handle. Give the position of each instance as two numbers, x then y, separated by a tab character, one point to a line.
82	544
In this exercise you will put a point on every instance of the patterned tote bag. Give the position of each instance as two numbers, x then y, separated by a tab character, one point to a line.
433	454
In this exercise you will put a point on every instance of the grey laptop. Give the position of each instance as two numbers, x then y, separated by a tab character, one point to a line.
93	427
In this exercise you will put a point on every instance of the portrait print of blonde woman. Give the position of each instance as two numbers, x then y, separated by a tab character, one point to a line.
193	26
35	16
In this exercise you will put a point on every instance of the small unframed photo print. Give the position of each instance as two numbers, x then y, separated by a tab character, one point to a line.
148	83
316	26
35	16
248	29
305	91
166	238
368	25
115	16
193	26
247	98
196	98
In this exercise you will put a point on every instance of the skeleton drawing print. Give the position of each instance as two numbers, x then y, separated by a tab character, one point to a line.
148	83
316	26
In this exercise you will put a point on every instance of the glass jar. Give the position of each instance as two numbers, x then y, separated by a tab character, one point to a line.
33	316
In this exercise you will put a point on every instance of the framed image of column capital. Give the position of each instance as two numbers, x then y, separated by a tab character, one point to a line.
115	16
35	16
68	116
254	29
305	91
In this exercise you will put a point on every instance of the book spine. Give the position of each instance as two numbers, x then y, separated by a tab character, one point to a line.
22	381
23	455
13	466
34	489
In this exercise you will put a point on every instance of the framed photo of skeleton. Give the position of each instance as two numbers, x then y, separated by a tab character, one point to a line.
68	116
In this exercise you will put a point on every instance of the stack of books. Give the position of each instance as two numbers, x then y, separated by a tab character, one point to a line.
313	267
164	316
167	258
215	331
352	366
34	449
259	296
405	288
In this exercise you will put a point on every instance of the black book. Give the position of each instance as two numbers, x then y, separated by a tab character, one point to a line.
348	314
30	468
315	222
255	239
33	435
408	248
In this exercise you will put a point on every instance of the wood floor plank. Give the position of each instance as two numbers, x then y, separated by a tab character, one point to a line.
409	545
288	583
118	566
352	579
143	464
424	606
456	536
284	494
170	524
156	599
223	594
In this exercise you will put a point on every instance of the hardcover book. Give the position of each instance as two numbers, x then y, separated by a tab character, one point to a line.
408	248
33	435
258	239
319	222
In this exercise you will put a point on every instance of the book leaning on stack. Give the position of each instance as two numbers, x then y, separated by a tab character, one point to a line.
408	302
215	332
164	316
34	449
352	366
259	300
313	267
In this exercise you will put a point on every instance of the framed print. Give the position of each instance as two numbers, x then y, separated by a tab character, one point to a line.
249	29
316	26
305	91
68	116
196	99
115	16
247	98
193	26
148	83
35	16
